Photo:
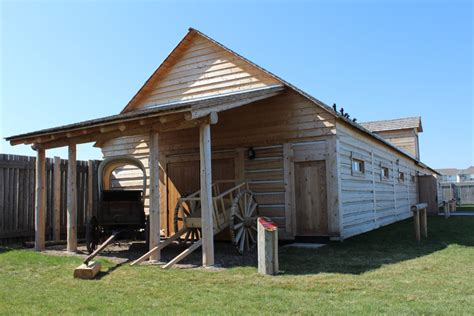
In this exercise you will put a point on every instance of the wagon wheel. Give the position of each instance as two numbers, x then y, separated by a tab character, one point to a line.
147	232
92	234
243	221
180	212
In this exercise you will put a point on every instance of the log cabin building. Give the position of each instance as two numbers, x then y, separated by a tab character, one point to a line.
209	114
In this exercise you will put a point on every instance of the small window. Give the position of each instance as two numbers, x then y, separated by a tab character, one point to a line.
385	173
401	176
413	178
358	167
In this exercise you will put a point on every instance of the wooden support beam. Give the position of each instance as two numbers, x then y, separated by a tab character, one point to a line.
424	222
206	196
184	124
170	118
154	216
106	129
416	221
97	136
76	133
57	199
267	247
104	133
202	111
90	189
446	209
71	200
420	220
40	199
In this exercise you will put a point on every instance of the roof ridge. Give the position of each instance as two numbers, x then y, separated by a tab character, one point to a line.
394	119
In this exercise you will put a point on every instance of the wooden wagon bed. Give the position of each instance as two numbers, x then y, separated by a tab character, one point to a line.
234	207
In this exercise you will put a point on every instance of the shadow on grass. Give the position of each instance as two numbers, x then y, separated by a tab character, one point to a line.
103	274
388	245
4	250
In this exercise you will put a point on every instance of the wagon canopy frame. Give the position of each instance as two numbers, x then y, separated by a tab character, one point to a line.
108	165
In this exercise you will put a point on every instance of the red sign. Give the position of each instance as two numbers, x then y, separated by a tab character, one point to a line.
267	224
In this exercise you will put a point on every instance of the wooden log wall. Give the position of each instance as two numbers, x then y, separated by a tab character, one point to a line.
202	69
17	196
369	201
406	140
293	119
266	177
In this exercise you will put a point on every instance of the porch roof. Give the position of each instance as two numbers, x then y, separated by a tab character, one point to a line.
159	117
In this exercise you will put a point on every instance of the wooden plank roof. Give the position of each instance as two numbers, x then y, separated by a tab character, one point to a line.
394	124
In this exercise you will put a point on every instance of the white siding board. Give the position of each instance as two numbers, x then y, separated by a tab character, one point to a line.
369	202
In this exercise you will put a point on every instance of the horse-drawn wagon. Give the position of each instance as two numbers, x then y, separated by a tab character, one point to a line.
234	207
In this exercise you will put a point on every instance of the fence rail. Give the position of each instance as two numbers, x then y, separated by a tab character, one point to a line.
463	193
17	196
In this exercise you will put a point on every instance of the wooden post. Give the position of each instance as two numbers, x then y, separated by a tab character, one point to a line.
90	189
446	209
453	205
71	200
416	220
206	195
57	199
154	210
40	199
420	220
267	246
424	221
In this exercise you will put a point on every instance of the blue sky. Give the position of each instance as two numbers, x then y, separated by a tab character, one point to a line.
63	62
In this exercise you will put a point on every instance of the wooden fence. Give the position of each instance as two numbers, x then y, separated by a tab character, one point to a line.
17	196
463	193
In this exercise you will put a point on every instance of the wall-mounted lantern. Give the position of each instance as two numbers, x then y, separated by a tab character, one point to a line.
251	153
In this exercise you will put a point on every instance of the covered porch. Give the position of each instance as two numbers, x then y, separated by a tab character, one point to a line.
152	122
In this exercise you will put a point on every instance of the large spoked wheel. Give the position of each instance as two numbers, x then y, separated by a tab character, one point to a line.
243	221
182	211
92	235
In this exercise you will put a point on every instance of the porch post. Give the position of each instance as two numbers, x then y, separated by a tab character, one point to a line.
206	196
57	199
154	210
40	199
71	200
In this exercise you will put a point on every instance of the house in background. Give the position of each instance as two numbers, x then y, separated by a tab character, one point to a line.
449	175
401	132
466	174
454	175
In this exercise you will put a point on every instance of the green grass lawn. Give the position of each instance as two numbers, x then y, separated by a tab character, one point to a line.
384	271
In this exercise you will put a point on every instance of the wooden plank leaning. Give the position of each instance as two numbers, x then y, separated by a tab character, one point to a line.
161	246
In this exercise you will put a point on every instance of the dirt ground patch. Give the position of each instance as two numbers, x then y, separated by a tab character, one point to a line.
125	251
